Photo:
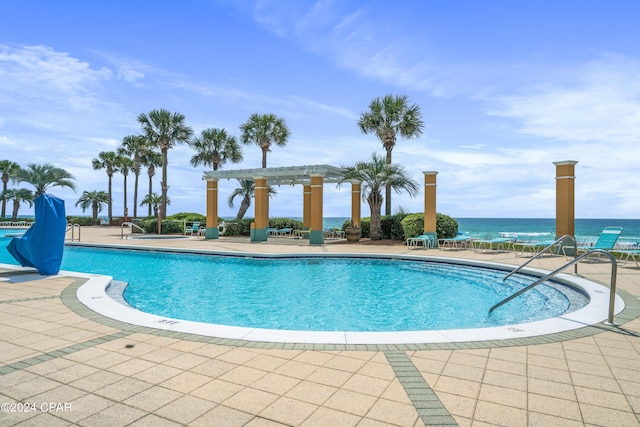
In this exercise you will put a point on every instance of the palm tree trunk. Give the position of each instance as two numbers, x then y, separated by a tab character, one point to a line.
387	200
94	215
246	202
16	206
151	174
264	158
135	195
376	228
4	201
126	210
163	184
110	204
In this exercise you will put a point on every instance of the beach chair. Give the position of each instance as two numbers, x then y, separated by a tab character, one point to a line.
607	240
533	247
491	245
421	240
458	242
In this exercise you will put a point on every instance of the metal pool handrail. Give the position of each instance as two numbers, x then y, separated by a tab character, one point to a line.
129	225
612	291
566	236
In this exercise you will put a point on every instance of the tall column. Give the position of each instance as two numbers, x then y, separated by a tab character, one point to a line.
316	233
356	198
565	198
212	209
430	205
261	217
306	205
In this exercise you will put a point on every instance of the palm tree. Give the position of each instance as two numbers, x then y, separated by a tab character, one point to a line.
18	195
44	176
8	169
125	164
151	160
153	200
136	147
247	192
376	175
264	129
93	199
107	160
388	117
214	148
164	129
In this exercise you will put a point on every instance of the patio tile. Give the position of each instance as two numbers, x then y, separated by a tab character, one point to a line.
288	411
329	417
185	409
251	400
351	402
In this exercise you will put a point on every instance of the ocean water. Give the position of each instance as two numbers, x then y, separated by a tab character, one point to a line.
531	229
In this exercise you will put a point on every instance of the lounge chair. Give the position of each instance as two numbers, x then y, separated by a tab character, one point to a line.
193	230
492	245
532	247
607	240
625	254
458	242
421	240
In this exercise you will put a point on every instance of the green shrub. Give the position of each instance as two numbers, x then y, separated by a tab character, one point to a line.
188	216
392	226
150	226
238	227
413	225
285	223
446	227
83	220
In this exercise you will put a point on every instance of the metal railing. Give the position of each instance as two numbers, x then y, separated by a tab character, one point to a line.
72	228
612	290
539	254
130	226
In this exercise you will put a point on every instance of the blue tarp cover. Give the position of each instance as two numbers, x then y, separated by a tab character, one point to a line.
42	245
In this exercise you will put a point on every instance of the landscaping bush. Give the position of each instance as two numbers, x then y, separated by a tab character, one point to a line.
150	226
365	226
413	225
285	223
392	226
83	220
240	227
188	217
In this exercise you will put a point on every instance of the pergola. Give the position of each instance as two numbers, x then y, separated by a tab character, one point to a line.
312	178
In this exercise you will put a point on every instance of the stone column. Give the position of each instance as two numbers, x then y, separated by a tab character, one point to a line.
306	205
212	209
430	205
316	233
565	198
356	198
261	217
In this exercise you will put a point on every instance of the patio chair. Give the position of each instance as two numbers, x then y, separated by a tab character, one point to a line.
421	240
492	245
193	230
607	240
458	242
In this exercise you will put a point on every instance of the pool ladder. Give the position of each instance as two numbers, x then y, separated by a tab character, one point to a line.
72	228
130	226
574	262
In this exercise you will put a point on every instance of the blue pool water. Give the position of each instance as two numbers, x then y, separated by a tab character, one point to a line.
324	294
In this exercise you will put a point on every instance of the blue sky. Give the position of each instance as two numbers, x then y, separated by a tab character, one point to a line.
506	88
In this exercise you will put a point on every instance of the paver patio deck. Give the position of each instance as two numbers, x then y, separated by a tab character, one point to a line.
61	364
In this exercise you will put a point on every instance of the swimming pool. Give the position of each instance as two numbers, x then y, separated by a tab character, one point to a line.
182	271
